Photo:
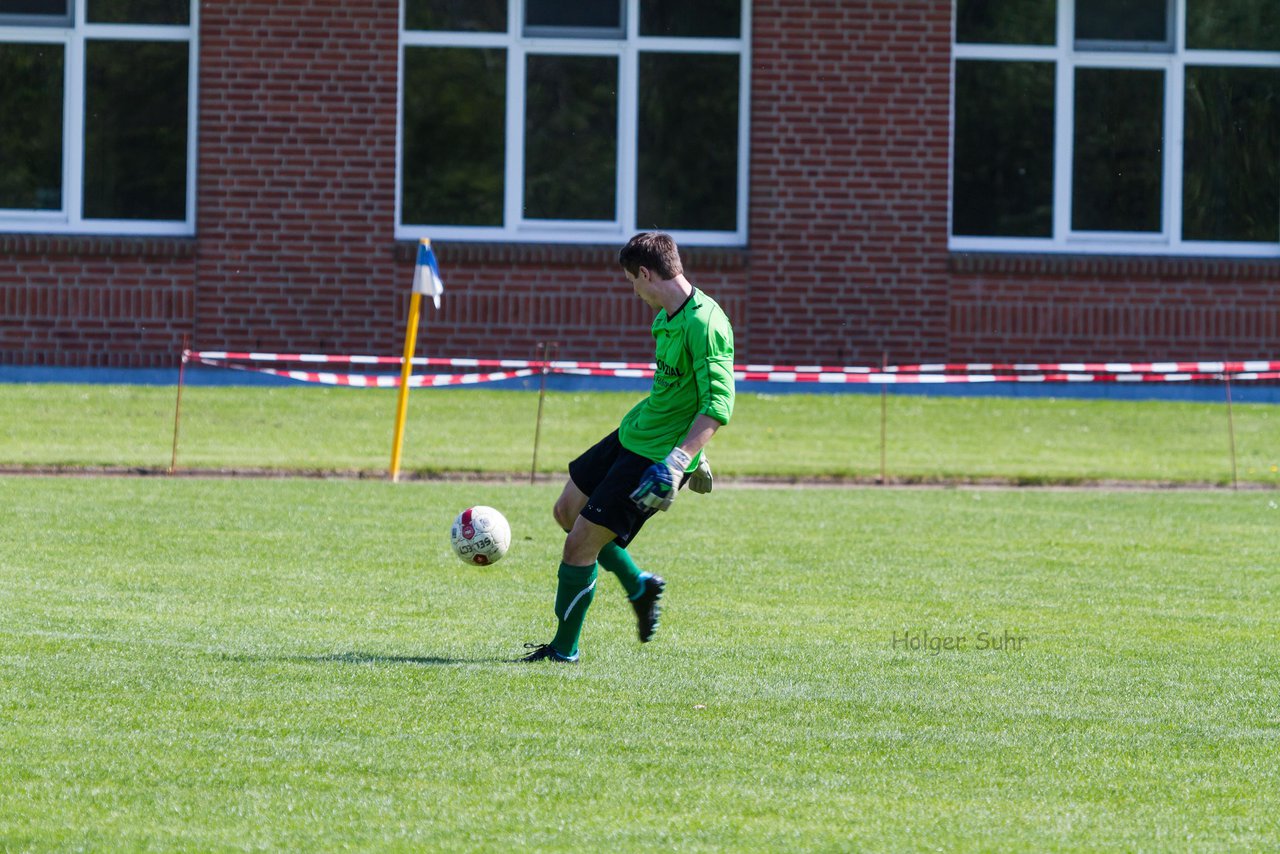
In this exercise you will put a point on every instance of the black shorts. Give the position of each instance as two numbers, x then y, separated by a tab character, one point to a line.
607	474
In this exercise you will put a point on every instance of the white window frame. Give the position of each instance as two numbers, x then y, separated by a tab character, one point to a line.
1066	59
70	219
517	229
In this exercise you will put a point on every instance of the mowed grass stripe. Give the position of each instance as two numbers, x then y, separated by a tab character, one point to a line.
303	665
473	430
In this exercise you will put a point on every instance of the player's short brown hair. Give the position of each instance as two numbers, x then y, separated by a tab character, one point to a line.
655	250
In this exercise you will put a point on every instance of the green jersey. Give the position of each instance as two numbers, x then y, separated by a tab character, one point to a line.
694	355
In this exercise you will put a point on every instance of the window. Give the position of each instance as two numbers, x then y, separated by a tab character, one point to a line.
31	135
39	13
586	18
98	105
1117	143
1004	152
570	147
573	121
1124	24
1117	126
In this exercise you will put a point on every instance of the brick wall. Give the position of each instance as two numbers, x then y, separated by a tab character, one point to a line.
297	196
847	262
850	105
297	175
99	302
1121	309
505	300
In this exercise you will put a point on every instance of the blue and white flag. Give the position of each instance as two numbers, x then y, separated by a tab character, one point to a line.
426	276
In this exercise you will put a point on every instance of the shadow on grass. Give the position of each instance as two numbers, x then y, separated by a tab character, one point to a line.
366	658
375	658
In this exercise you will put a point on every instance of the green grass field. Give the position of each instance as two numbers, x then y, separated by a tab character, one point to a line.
803	436
294	664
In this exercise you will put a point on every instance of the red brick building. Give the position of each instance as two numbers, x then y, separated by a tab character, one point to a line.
852	179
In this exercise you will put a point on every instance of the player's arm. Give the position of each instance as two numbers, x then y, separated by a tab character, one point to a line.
712	363
700	433
700	479
714	378
661	481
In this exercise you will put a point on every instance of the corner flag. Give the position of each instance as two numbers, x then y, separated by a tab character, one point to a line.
426	276
426	280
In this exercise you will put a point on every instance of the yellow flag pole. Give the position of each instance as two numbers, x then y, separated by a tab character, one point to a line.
402	405
426	280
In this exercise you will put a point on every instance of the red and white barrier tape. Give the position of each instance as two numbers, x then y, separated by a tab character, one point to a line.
968	367
380	380
943	379
208	356
925	374
1094	367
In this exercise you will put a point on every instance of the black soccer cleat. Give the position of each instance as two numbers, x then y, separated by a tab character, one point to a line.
646	605
546	652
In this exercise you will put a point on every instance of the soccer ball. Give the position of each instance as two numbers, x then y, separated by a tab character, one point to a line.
480	535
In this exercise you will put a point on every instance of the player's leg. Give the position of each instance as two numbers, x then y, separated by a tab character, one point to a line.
591	469
611	506
575	587
584	542
569	505
595	509
643	589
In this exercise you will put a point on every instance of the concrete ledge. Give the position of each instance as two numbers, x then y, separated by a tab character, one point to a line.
79	245
566	254
1114	266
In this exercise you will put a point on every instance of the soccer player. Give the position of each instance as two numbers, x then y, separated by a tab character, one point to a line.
635	471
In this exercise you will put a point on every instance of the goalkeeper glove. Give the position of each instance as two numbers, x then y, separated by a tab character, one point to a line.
658	486
701	481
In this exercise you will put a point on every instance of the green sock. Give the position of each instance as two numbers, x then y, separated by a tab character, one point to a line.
574	593
614	558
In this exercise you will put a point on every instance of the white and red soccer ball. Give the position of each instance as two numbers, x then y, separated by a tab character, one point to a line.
480	535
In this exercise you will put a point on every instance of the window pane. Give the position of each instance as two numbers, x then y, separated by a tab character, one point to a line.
571	138
1119	134
138	12
57	8
1003	176
486	16
31	132
1122	20
454	133
707	18
1233	25
1231	178
575	14
688	142
1006	21
135	134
